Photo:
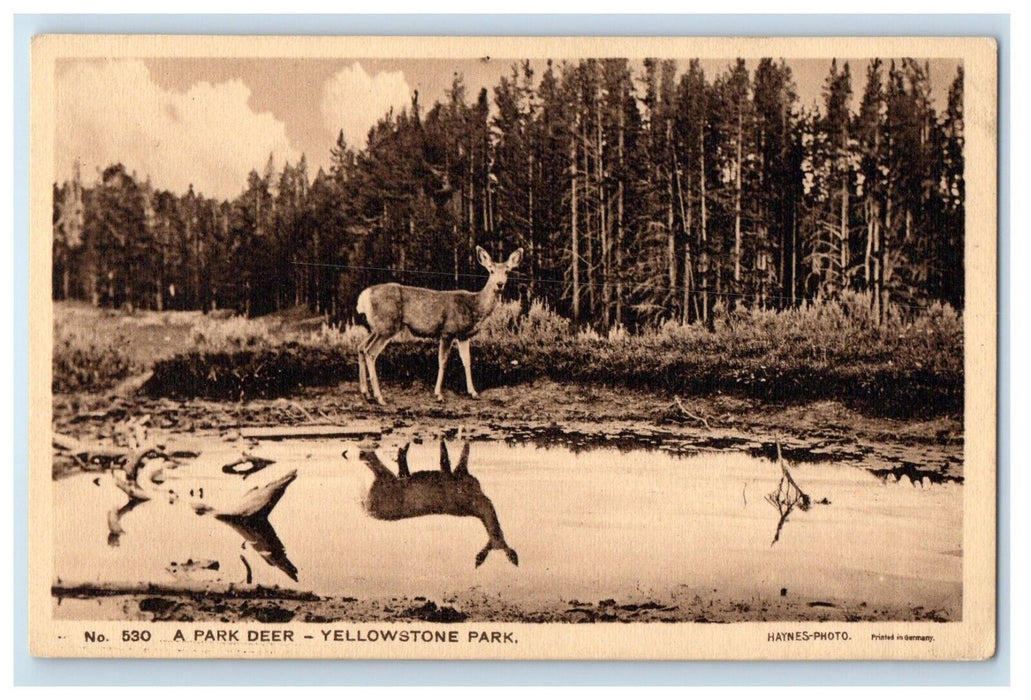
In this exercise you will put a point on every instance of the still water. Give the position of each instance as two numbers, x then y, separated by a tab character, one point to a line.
591	525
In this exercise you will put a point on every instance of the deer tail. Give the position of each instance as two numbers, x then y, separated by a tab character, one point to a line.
362	307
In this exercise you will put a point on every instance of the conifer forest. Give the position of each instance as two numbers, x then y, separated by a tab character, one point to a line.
641	194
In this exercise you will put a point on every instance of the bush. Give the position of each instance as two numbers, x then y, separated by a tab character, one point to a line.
345	339
86	359
234	333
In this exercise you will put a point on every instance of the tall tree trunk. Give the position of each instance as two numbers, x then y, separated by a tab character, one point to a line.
671	239
685	220
487	229
794	257
868	210
316	275
844	230
574	227
703	231
159	296
471	230
454	251
737	200
619	214
882	262
875	261
532	238
591	299
602	219
197	296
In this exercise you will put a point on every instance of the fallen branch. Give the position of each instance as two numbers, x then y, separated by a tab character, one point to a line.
686	413
132	385
303	412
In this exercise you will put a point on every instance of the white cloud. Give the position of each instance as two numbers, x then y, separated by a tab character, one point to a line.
353	100
112	111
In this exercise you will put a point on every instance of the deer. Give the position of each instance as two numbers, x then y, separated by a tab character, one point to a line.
444	491
453	317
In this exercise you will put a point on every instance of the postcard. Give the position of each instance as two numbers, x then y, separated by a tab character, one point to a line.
513	347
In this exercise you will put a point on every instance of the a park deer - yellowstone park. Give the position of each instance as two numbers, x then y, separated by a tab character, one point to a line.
443	492
453	317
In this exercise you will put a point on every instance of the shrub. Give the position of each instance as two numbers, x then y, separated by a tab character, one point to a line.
345	339
86	359
234	333
831	350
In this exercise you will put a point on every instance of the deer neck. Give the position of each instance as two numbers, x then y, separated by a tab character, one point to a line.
487	298
484	510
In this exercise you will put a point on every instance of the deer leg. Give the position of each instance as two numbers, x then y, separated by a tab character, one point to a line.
445	459
463	461
402	461
363	384
444	351
463	352
371	353
373	462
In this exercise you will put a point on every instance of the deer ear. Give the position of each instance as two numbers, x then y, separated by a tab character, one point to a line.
514	258
483	257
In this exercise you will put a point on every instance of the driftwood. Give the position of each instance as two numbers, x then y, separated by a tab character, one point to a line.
88	454
358	429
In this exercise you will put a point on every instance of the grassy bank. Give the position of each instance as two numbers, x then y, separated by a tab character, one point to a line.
835	350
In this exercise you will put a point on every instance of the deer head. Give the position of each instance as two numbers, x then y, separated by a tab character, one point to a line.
500	544
498	270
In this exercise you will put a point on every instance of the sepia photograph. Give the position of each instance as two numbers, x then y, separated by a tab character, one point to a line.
513	348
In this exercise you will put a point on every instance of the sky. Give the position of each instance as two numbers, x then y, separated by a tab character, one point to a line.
210	121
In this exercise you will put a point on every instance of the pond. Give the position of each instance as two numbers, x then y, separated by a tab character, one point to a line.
589	525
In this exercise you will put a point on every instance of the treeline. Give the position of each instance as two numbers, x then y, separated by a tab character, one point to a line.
638	198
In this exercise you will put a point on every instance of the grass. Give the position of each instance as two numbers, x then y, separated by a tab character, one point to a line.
835	350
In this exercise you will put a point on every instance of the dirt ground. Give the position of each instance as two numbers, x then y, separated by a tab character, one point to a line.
160	604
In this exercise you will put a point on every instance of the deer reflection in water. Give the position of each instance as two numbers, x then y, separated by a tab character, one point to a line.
441	492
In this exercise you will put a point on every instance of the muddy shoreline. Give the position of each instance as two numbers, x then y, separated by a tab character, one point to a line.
579	417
